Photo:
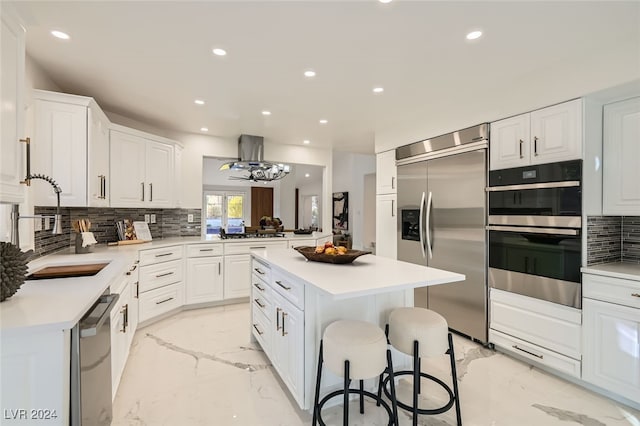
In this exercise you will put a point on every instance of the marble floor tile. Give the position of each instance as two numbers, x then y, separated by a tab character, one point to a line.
200	368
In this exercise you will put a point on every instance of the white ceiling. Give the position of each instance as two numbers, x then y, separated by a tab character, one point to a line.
150	60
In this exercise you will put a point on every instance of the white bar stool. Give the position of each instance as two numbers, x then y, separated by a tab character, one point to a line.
354	350
422	333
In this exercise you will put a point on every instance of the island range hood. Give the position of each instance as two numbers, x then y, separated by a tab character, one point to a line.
251	162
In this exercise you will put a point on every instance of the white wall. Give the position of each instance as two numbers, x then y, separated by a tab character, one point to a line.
348	176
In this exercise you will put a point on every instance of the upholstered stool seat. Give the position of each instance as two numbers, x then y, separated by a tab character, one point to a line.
422	333
354	350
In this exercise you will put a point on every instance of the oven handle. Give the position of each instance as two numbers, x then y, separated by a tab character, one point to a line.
557	231
563	184
420	226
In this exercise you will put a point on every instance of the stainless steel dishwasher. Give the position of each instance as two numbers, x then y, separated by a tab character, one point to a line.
91	365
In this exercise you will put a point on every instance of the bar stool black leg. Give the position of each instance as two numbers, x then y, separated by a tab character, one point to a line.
392	384
416	382
318	375
380	380
454	375
361	397
345	415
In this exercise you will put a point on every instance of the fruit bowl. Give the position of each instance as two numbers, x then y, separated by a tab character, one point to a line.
348	257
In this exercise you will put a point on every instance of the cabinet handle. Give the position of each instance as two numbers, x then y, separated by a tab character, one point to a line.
137	283
521	142
150	192
163	301
393	182
219	268
27	179
256	248
164	275
635	294
104	187
209	249
125	318
258	303
164	254
256	285
535	145
278	318
258	270
282	285
257	329
101	196
284	333
393	209
142	185
527	352
133	268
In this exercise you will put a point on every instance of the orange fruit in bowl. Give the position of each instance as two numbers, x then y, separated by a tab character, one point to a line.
320	249
330	250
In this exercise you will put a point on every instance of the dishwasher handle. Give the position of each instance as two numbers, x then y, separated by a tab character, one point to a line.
99	313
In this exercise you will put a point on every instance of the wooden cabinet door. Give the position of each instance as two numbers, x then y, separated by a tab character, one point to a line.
204	279
611	357
261	204
621	158
159	175
12	160
127	170
556	133
237	276
386	172
98	158
509	144
387	226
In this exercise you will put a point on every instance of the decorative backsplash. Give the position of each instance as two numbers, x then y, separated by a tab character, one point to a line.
613	239
169	223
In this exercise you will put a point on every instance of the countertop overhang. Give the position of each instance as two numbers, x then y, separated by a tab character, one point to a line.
623	270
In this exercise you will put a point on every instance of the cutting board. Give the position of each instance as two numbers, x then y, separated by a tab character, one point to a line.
65	271
127	242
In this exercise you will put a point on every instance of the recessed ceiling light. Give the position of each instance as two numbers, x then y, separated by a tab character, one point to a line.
60	35
384	1
198	102
323	121
306	141
307	175
204	129
266	112
219	52
474	35
309	73
378	89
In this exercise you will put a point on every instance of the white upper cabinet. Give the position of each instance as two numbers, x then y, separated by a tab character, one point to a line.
142	170
70	145
386	172
177	182
544	136
621	158
12	55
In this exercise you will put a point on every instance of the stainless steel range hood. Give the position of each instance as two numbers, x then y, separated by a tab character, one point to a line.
251	160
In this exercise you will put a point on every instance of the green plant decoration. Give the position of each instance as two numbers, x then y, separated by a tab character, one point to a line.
13	268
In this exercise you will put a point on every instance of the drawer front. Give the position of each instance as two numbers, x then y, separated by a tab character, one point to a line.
160	300
246	247
261	270
609	289
204	250
535	353
261	300
165	254
155	276
290	290
545	324
261	329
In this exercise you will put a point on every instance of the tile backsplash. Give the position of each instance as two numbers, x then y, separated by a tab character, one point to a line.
613	239
169	223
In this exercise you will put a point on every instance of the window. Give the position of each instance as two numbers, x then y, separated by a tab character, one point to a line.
223	210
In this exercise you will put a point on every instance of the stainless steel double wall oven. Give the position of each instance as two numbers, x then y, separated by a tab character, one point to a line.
535	220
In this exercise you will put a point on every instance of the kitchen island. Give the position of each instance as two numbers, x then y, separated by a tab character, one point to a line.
293	300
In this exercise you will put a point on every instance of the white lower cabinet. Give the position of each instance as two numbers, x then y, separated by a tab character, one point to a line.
386	226
237	275
119	338
546	333
161	300
612	335
204	279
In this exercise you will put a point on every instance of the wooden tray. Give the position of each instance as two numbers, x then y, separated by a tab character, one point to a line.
348	257
67	271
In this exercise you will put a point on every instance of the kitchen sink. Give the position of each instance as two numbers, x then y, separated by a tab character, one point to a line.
66	271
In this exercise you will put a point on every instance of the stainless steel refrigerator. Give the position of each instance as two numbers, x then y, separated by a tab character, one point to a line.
441	222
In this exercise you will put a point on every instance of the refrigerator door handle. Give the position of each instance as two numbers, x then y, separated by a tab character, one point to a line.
420	232
429	202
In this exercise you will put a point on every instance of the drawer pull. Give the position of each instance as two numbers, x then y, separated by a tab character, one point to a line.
635	294
210	249
258	303
164	254
165	274
163	301
257	329
258	270
137	289
256	248
258	286
133	268
525	351
282	285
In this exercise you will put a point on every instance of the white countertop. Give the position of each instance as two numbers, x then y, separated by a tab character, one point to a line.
628	271
60	303
367	275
